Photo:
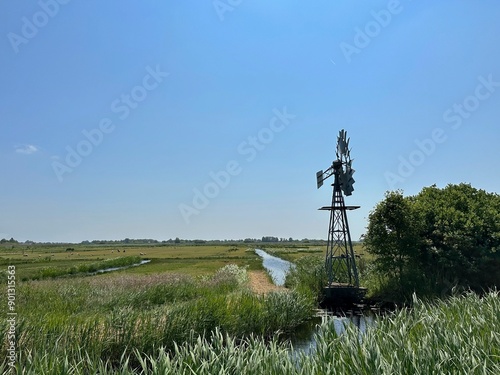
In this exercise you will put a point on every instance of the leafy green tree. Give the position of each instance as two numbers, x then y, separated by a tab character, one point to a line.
436	240
462	233
392	237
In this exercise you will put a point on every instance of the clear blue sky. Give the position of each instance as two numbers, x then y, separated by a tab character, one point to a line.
172	93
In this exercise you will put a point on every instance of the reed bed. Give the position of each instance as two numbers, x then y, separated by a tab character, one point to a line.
456	336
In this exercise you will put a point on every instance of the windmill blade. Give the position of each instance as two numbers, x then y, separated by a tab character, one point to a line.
349	169
347	181
339	140
343	145
348	190
347	154
348	175
342	134
347	186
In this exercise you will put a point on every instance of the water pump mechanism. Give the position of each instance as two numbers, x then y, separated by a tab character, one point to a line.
340	261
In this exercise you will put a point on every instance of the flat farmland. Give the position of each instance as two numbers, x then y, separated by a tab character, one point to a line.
292	253
188	259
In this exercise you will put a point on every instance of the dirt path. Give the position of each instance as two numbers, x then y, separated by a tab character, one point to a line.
260	283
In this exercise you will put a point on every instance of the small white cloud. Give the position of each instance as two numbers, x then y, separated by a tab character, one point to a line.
26	149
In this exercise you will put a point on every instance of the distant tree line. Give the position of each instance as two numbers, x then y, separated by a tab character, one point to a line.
177	240
269	239
12	240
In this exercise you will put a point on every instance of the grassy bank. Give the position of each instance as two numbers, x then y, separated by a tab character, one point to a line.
456	336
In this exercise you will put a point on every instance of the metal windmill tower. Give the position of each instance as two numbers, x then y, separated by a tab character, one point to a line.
340	261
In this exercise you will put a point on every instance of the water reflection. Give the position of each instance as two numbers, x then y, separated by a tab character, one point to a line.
303	339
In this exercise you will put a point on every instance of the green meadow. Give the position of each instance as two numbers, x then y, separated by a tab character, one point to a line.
193	260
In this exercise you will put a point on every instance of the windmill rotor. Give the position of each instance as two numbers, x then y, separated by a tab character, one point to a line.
342	166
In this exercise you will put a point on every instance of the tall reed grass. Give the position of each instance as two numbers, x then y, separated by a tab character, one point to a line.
456	336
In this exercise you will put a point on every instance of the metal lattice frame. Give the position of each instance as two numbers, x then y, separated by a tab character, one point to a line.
340	261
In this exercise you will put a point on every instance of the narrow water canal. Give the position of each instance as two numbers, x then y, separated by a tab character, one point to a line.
303	338
276	267
111	269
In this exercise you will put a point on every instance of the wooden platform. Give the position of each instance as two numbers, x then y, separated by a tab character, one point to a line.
343	294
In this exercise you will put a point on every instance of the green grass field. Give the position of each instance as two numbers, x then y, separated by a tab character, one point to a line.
194	260
292	253
188	259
